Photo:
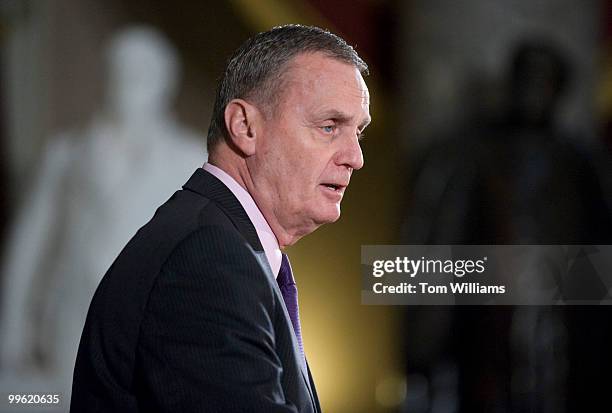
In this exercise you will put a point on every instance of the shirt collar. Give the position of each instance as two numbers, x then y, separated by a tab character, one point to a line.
264	232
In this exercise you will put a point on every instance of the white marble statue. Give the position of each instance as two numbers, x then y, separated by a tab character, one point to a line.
95	188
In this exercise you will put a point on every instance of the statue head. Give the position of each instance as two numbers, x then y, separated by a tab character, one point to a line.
143	72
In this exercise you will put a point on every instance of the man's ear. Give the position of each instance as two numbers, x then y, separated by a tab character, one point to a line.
243	121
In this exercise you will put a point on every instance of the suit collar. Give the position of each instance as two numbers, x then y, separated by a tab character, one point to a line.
266	236
207	185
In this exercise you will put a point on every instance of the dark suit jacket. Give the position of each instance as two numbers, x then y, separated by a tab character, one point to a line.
189	318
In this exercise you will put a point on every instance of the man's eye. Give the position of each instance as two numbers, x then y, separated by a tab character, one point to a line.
328	129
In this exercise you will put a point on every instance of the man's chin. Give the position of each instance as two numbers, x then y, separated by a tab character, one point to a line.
329	216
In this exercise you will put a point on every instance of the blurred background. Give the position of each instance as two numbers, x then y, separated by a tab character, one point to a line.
492	124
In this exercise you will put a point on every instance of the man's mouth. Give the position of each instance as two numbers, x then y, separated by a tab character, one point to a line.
334	187
331	186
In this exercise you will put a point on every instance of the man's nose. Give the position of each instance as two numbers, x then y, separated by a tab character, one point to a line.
350	154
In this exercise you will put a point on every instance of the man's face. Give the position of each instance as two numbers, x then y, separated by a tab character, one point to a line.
309	145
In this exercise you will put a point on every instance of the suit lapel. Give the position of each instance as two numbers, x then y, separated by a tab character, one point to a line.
207	185
314	390
279	296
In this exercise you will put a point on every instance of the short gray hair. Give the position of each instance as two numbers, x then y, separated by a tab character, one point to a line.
256	68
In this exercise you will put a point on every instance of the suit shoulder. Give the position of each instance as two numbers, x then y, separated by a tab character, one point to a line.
183	214
129	280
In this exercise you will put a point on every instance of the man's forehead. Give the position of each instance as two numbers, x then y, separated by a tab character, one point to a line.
311	71
365	92
318	64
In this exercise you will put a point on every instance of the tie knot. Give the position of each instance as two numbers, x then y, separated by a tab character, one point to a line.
285	275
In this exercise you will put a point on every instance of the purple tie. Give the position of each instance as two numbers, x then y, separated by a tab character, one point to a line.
286	283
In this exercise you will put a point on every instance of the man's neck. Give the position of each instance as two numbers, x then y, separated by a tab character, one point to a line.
236	167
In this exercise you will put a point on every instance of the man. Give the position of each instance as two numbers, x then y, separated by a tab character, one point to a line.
199	312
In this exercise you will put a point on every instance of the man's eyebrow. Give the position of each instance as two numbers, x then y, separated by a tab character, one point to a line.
342	117
335	115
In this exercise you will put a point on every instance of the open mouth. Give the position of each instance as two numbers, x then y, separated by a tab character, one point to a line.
332	187
335	187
